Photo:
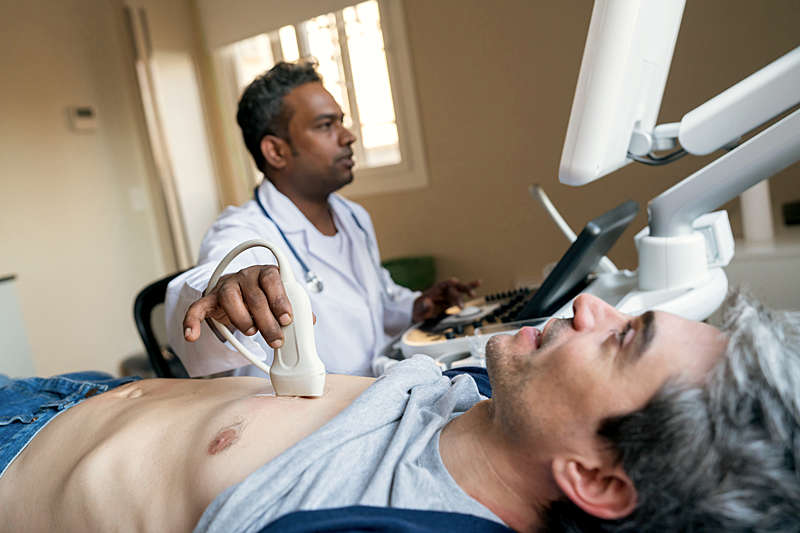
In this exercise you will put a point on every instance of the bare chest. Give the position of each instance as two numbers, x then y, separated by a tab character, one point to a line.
154	454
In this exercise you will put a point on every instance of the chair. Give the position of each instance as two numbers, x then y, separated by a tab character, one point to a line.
163	360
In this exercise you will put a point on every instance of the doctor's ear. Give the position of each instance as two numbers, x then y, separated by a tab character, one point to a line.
275	150
600	490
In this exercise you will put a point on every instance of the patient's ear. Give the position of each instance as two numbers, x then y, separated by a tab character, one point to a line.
275	150
601	490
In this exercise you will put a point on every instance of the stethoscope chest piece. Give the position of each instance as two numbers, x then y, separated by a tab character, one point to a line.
313	283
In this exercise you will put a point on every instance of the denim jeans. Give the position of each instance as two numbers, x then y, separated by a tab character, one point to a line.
28	405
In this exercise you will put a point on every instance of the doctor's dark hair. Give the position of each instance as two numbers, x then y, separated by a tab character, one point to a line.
723	456
261	110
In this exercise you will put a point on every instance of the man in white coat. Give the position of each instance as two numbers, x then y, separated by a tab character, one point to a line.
294	130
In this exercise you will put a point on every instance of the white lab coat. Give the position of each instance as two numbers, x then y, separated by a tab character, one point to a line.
355	318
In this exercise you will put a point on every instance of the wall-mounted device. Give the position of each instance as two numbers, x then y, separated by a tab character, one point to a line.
82	118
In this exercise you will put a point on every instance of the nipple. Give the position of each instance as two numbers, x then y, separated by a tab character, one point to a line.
135	392
225	438
128	391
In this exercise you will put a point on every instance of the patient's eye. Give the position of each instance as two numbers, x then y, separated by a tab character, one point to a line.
624	336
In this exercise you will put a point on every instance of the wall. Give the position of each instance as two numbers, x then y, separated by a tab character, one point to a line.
182	117
80	223
15	351
495	82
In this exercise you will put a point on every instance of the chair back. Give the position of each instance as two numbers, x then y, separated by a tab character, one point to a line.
165	364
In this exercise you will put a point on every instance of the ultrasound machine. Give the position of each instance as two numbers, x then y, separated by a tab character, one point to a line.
612	123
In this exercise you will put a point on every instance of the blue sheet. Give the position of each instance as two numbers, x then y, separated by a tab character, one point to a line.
365	518
478	374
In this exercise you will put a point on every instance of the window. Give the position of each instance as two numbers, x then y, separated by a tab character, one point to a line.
360	66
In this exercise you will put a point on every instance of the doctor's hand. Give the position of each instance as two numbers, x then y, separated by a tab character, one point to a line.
433	301
250	300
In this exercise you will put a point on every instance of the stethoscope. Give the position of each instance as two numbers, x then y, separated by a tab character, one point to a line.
313	283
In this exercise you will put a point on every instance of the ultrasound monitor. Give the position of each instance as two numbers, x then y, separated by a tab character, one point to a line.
622	77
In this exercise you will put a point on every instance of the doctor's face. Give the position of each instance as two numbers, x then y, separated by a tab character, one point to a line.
322	158
559	384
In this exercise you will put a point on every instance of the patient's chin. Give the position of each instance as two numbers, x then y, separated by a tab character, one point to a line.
494	354
499	361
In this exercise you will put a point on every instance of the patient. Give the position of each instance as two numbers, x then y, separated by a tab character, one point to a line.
601	422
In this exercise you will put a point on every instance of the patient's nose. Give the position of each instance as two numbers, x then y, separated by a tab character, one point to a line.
590	311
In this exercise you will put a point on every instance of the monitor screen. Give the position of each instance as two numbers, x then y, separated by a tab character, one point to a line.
623	73
570	275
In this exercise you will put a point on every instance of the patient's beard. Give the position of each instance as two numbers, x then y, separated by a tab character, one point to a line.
507	369
556	327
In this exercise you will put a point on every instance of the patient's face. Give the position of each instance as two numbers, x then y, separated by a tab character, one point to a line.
561	383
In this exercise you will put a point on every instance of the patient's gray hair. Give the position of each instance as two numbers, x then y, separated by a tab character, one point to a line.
719	457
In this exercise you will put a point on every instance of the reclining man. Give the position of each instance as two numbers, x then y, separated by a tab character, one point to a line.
599	422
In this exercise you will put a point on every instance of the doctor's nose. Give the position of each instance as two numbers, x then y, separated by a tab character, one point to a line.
346	137
590	312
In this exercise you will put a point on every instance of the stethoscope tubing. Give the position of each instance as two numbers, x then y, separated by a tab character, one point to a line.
313	282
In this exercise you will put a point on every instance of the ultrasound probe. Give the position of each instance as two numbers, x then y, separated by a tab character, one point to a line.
296	369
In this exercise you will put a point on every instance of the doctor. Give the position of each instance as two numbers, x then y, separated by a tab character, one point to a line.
293	128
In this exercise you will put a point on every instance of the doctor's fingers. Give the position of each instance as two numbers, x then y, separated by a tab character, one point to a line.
452	296
465	288
232	300
452	291
269	280
199	311
203	309
266	299
267	303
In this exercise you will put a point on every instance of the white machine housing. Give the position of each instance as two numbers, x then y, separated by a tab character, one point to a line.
625	65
